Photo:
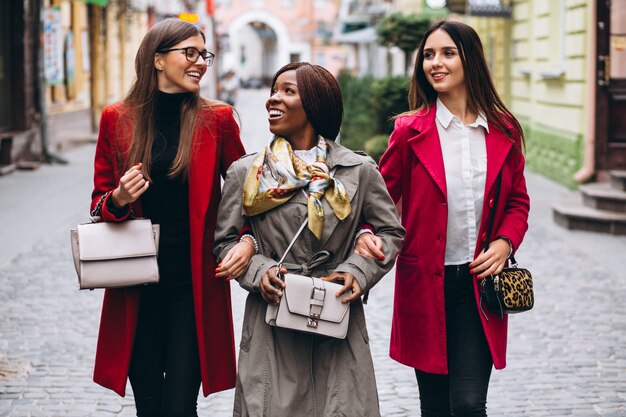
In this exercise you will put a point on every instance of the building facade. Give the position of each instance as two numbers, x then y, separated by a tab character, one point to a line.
20	89
256	37
62	61
561	67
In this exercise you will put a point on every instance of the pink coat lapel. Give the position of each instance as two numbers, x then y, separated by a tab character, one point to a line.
498	147
427	148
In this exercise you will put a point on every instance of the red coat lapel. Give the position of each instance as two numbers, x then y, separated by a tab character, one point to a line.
498	147
427	148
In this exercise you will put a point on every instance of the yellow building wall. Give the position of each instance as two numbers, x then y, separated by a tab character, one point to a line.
495	35
125	30
539	62
75	96
549	45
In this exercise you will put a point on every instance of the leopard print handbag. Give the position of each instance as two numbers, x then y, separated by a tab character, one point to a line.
510	291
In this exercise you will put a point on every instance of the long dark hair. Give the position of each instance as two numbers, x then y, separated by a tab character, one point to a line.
141	100
320	95
482	96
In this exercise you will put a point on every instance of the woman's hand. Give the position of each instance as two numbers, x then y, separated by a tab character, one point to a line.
493	261
236	261
349	284
132	185
271	286
369	245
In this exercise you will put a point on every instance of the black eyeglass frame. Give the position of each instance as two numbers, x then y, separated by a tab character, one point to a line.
207	56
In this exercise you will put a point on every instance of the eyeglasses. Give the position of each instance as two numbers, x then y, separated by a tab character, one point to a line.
192	54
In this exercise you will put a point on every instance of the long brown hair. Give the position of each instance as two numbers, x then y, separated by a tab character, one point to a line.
482	95
320	95
141	101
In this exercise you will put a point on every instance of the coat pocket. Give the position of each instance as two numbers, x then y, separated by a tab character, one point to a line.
358	315
254	312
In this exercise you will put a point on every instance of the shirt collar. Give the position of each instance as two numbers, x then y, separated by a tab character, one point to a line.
444	116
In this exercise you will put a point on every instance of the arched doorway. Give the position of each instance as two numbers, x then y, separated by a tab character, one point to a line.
257	54
259	44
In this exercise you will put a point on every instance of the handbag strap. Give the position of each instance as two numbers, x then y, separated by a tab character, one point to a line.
493	211
280	263
96	213
496	196
282	259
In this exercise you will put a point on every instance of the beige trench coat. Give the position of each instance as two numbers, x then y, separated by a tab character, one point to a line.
287	373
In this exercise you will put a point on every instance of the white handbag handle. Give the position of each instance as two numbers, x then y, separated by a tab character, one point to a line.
280	263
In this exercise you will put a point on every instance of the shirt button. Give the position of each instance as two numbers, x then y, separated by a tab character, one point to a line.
484	237
491	202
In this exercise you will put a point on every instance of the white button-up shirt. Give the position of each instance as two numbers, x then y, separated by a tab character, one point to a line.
465	162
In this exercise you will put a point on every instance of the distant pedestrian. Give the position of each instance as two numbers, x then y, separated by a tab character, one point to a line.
443	160
285	373
159	155
229	86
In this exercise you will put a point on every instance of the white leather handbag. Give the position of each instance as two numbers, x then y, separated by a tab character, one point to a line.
115	255
309	304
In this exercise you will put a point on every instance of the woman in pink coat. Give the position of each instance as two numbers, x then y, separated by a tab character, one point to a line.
441	167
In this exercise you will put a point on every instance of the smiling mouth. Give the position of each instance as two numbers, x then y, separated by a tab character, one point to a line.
437	76
194	74
275	114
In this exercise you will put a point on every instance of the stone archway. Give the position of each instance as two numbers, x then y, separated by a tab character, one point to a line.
250	33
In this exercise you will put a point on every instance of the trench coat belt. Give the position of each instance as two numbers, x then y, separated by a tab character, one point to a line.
314	262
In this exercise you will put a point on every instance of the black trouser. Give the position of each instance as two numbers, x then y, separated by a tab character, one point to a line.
165	366
463	392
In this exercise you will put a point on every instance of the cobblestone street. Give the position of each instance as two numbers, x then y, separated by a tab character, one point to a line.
567	357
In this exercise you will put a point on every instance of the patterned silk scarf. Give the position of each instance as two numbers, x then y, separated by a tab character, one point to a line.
278	174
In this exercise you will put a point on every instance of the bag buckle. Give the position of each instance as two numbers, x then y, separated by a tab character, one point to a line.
317	303
312	320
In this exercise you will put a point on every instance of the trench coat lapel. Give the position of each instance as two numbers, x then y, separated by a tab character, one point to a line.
339	157
427	147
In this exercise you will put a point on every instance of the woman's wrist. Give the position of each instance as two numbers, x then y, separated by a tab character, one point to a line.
115	199
251	240
507	240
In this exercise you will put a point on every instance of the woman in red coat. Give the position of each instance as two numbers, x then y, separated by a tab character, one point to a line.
443	160
160	154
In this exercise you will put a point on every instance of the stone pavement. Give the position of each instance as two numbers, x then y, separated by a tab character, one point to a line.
567	357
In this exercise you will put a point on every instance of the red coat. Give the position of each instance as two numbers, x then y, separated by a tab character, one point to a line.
414	171
216	146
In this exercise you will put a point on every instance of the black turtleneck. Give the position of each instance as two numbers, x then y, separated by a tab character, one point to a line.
166	202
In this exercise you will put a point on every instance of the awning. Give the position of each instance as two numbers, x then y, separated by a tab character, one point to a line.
489	8
367	35
98	2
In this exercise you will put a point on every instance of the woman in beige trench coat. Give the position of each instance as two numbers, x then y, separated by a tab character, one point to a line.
284	372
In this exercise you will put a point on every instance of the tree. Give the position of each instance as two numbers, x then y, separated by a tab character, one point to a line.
403	31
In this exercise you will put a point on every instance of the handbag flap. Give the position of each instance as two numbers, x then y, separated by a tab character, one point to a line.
106	240
298	291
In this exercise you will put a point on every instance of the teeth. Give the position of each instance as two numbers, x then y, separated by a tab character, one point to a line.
274	113
194	74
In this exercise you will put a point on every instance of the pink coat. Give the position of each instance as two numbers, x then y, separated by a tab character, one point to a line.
414	172
216	146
